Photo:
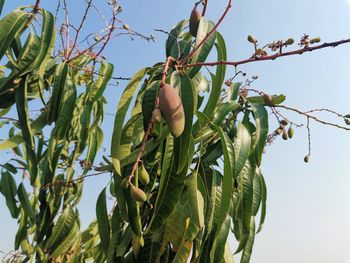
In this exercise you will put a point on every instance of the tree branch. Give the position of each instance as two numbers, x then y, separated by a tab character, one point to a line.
270	57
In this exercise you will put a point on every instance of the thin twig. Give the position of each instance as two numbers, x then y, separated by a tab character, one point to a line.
312	117
271	57
80	27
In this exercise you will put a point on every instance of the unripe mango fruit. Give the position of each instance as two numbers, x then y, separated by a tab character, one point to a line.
194	21
171	106
137	194
290	132
143	175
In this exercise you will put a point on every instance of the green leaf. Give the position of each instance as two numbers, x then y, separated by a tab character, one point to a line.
223	110
173	37
57	91
122	109
48	37
170	188
233	90
247	251
9	190
95	142
242	147
36	127
9	167
263	200
219	244
23	117
184	85
102	220
217	80
261	131
104	75
10	25
259	100
1	5
69	240
29	52
203	51
65	223
148	102
23	198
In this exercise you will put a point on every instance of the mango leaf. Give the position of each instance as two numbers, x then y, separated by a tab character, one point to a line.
261	131
102	221
122	109
23	198
219	245
1	5
69	241
233	90
276	99
170	188
196	204
263	200
57	91
148	102
173	37
187	98
65	223
23	117
17	139
203	51
223	110
9	167
104	75
10	25
48	37
247	251
217	81
242	147
29	52
9	189
95	142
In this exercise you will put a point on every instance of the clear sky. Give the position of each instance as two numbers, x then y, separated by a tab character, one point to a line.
308	217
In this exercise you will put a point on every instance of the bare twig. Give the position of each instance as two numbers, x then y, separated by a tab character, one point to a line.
307	114
80	27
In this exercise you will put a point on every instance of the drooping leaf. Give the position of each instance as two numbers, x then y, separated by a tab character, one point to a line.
70	239
23	117
184	85
61	229
23	198
263	201
242	147
247	251
102	221
10	25
261	131
57	91
9	189
170	188
104	75
203	51
123	107
172	39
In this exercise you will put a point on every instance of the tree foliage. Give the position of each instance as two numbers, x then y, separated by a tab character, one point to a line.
198	187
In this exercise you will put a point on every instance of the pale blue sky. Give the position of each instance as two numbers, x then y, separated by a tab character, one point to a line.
308	217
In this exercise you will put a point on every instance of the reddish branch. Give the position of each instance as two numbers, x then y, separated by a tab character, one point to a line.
205	4
111	28
184	60
80	27
270	57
